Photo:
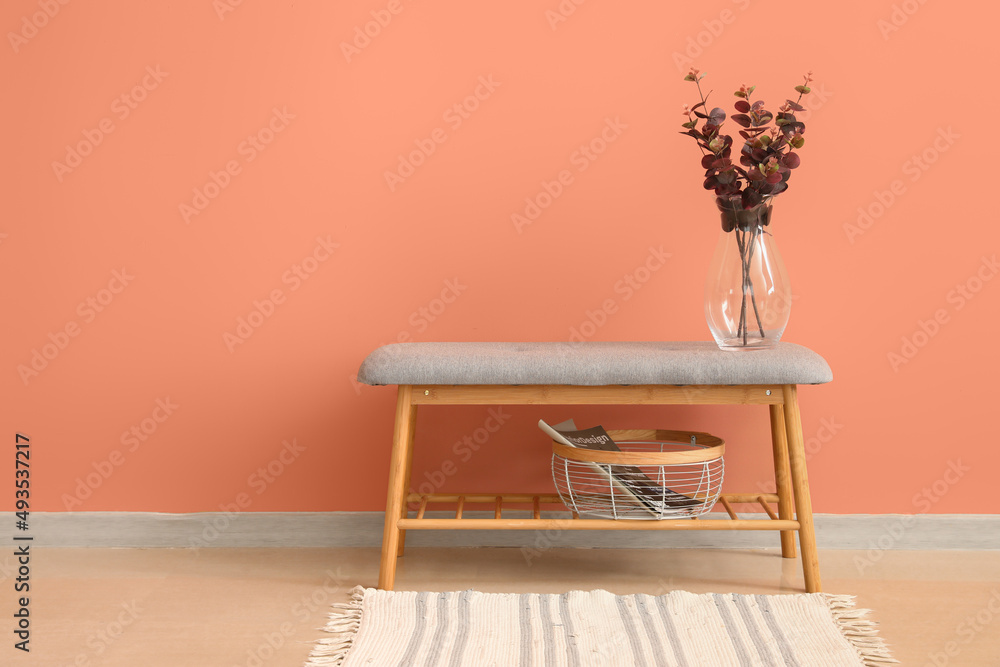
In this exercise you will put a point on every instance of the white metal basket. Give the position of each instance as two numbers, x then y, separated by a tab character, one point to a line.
657	475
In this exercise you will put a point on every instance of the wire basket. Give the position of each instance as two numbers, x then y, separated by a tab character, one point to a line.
656	475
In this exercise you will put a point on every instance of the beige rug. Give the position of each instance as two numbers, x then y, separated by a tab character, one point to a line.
385	628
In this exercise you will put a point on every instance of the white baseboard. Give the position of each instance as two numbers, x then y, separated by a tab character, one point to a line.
364	529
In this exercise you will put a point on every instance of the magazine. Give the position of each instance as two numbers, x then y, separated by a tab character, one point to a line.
628	478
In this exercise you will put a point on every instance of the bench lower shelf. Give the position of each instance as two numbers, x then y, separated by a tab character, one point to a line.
536	522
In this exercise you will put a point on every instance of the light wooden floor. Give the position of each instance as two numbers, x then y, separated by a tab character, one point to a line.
263	607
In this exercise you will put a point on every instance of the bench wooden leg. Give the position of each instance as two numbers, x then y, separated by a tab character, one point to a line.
402	445
782	478
800	487
406	478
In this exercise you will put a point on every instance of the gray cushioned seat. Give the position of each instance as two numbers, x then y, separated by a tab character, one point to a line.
590	363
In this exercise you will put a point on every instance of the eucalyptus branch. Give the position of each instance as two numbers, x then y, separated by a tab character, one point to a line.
771	159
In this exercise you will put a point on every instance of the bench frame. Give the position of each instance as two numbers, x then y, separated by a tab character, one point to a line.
791	480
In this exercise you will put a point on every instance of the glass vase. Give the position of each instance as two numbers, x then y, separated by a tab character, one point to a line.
747	294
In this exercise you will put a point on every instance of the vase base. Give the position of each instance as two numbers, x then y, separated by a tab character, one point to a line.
751	344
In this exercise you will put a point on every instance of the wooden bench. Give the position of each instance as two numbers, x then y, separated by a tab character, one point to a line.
599	373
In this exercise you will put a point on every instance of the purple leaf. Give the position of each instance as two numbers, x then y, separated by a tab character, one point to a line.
742	119
750	199
789	129
791	160
742	106
726	177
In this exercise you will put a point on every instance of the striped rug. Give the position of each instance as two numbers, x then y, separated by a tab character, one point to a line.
385	628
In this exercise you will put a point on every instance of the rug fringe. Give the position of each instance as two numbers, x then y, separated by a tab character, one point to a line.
344	624
859	630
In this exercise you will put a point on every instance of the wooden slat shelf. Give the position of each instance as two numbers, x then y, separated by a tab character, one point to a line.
535	522
522	498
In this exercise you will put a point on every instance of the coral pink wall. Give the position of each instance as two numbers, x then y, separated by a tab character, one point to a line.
174	170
